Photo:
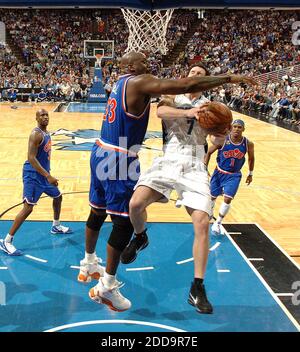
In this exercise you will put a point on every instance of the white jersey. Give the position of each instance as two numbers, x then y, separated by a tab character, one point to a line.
184	136
181	167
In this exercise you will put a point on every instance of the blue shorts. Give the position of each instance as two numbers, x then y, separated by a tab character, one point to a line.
113	177
226	184
34	185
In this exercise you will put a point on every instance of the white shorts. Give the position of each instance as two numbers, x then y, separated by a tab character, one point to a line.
187	176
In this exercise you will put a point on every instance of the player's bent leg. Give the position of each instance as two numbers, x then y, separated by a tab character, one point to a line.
142	197
90	267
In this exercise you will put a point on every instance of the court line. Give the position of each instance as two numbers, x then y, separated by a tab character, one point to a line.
223	271
256	272
74	267
137	269
36	259
284	294
278	246
114	321
256	259
215	246
3	267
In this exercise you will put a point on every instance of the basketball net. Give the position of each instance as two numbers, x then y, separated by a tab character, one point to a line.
147	29
98	60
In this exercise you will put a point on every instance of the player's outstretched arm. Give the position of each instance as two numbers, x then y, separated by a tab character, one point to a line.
150	85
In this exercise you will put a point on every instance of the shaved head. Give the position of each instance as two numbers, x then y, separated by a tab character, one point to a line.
41	112
134	63
131	57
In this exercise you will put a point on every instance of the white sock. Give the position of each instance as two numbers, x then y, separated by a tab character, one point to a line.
224	209
56	222
90	257
219	220
8	238
108	280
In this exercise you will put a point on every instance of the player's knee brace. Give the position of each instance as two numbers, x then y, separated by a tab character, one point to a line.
95	221
121	232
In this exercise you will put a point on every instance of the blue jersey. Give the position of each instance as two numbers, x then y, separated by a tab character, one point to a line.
118	122
231	157
43	154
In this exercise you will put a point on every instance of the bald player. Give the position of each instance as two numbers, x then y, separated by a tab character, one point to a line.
36	180
115	167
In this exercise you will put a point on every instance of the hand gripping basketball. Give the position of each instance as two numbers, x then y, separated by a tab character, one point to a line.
214	117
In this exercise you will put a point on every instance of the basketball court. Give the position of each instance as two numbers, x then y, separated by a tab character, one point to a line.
250	273
253	276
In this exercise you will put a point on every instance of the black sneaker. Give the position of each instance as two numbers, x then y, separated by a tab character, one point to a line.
135	245
199	300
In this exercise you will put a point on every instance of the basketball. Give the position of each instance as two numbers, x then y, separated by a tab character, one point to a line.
216	118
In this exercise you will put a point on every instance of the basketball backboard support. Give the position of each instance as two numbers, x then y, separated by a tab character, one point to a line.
91	45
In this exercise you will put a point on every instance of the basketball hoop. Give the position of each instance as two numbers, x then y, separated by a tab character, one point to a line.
147	29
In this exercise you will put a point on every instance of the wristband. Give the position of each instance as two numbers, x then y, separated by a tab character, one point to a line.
250	173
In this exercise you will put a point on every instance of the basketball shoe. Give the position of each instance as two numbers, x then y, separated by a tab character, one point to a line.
217	228
9	248
198	299
112	297
60	229
89	271
134	247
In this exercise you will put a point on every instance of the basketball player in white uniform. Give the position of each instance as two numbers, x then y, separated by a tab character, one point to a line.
181	168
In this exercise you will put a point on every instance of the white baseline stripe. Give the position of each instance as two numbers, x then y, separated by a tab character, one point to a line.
284	294
185	261
282	306
134	322
191	259
215	246
35	258
256	259
74	267
3	267
223	271
137	269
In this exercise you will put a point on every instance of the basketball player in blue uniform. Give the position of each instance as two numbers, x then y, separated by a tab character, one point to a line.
227	175
115	168
37	180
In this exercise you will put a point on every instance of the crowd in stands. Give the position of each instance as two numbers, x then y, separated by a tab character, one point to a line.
53	66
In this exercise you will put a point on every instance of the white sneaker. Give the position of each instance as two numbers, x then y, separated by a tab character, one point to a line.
9	248
112	297
60	229
217	228
89	271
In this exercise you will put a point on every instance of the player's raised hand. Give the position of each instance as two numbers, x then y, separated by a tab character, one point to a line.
193	113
